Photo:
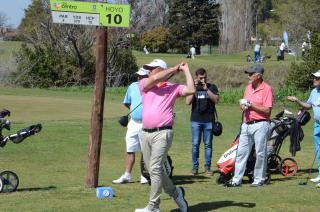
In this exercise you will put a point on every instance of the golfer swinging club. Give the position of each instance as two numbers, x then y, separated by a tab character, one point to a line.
158	98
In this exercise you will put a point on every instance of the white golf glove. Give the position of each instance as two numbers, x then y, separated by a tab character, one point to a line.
245	103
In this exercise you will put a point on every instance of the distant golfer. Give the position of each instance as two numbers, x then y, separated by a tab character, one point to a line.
314	103
158	98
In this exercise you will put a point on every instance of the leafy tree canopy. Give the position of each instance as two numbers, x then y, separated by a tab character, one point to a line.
193	22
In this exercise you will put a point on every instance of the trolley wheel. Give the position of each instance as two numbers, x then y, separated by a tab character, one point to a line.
274	161
1	185
288	167
10	181
222	179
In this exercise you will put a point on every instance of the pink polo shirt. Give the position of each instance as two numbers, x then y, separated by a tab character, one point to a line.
158	104
262	96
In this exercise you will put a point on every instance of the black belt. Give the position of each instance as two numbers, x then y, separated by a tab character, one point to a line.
256	121
151	130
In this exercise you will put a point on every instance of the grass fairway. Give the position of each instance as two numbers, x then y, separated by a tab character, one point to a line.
52	164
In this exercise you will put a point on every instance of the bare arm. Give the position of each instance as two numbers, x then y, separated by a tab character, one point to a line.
213	97
261	109
302	104
189	89
189	99
160	77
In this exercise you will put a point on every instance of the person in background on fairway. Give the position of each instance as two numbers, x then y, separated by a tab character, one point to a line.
132	100
314	103
158	98
256	105
193	52
202	118
257	52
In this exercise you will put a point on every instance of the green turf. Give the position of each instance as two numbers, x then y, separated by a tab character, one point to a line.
52	164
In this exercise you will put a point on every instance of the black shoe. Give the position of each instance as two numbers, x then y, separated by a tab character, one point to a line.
231	184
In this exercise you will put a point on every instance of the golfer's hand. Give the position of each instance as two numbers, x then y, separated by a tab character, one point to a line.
184	67
292	98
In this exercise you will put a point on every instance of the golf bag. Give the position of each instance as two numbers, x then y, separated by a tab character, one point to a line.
167	168
9	180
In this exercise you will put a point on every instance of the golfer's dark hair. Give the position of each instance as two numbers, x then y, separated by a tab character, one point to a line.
200	71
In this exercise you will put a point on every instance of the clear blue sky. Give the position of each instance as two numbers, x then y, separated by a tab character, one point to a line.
14	10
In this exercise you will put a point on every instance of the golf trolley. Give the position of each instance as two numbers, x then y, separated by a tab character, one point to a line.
9	180
283	125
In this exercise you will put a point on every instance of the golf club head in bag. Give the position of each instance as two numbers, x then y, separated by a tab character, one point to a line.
124	120
25	133
4	113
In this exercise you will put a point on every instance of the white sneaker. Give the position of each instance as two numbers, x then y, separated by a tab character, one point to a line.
318	185
143	180
146	209
122	179
181	201
315	180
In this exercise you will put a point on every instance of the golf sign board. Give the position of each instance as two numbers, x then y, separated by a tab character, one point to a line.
90	13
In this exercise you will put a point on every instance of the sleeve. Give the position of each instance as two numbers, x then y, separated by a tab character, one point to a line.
127	97
179	89
310	100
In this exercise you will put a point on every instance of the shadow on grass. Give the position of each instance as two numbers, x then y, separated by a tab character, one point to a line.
304	171
37	189
188	179
208	206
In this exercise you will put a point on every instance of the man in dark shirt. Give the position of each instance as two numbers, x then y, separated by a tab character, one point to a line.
202	117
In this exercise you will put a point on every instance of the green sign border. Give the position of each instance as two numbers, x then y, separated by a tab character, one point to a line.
114	15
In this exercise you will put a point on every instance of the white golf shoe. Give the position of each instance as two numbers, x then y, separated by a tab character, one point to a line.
123	179
315	180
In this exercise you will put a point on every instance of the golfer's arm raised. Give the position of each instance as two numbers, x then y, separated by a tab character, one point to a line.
161	76
189	89
302	104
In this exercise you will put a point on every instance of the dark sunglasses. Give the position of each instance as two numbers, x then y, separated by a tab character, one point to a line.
250	74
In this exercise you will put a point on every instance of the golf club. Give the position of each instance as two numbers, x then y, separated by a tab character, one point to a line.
301	183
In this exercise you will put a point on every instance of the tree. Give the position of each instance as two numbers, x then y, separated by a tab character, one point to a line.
300	74
236	25
156	39
193	23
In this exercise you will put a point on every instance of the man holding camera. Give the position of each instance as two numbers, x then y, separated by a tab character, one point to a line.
202	119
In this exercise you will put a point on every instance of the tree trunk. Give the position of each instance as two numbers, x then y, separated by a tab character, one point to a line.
235	25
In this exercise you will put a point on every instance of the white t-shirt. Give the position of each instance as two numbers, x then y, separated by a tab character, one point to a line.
257	48
282	46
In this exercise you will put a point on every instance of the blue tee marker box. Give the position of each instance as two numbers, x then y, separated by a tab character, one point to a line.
104	192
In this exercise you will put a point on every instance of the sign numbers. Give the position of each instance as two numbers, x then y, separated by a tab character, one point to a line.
117	19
